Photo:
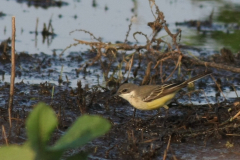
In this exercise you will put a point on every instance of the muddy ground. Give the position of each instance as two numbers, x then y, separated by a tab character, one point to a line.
194	131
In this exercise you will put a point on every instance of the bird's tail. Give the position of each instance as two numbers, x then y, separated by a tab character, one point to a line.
196	78
177	86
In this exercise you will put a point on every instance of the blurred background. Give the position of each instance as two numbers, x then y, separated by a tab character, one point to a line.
110	19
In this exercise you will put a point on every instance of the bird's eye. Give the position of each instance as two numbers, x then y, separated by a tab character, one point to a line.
124	90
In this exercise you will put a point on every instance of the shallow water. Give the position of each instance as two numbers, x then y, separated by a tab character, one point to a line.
111	24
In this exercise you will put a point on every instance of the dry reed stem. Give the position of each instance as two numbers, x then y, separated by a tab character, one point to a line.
12	73
36	28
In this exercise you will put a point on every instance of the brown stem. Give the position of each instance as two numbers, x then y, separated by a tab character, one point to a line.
212	64
12	73
166	150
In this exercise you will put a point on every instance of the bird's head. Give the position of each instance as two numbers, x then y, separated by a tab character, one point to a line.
126	90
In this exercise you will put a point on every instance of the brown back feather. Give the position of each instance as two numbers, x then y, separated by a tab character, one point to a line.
164	90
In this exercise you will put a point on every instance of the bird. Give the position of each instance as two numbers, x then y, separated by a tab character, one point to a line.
150	97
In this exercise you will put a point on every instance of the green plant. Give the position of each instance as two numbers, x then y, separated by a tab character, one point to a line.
41	123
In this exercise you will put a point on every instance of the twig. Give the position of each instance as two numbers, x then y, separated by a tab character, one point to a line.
131	64
146	78
140	34
150	140
173	154
235	90
211	64
161	75
129	28
163	59
4	135
91	34
151	4
166	150
236	115
107	152
218	87
233	135
206	98
179	61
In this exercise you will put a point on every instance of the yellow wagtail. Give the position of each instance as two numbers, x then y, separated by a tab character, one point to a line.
149	97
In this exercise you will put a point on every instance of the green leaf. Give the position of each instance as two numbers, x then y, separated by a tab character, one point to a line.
16	152
79	156
46	155
84	129
40	124
50	155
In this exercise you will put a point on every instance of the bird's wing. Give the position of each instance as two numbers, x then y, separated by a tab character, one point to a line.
166	89
161	91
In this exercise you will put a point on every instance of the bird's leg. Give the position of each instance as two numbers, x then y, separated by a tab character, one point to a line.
165	106
159	110
134	113
166	111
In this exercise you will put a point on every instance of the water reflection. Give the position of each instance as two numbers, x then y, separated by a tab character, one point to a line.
43	3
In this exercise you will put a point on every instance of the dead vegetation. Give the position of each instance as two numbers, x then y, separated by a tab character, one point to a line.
154	53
